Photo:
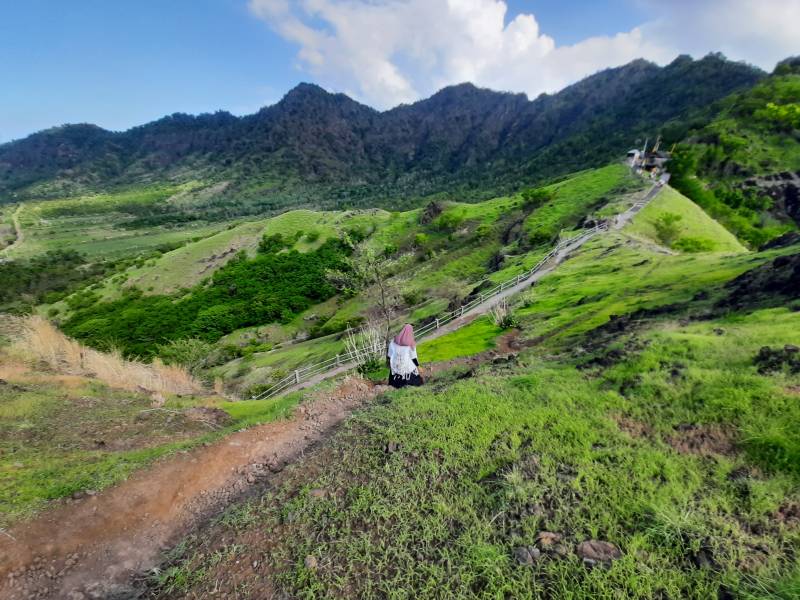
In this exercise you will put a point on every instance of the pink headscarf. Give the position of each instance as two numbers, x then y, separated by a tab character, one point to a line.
406	336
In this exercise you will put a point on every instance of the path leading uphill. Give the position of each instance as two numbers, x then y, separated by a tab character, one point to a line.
17	232
616	223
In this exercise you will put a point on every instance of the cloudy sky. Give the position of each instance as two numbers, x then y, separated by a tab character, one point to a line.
119	64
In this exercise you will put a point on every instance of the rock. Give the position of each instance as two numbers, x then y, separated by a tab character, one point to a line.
317	493
598	551
311	562
703	559
523	556
791	349
391	447
545	539
560	550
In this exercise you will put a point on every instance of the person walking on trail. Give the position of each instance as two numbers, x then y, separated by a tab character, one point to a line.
403	363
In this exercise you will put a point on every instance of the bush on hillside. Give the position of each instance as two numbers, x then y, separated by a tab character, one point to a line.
693	244
667	227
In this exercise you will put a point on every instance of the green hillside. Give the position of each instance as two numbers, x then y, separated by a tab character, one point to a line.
736	166
432	258
693	231
640	411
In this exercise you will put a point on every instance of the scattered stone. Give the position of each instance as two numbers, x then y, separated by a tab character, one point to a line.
391	447
703	559
317	493
311	562
215	417
560	550
771	360
598	551
546	539
523	556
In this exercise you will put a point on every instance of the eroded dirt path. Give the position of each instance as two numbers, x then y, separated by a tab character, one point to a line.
93	547
17	231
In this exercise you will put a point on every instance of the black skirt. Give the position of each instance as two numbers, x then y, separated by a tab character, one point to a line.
398	381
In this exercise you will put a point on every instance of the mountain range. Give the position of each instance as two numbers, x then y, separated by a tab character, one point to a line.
315	147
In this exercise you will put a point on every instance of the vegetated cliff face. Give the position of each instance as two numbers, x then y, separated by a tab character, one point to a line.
462	137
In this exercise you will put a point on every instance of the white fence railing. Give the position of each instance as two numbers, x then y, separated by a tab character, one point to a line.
347	359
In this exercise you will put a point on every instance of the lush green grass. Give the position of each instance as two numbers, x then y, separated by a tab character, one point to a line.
694	223
663	439
613	276
576	197
485	465
471	339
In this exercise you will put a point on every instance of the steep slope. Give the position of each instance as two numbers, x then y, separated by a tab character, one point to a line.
327	150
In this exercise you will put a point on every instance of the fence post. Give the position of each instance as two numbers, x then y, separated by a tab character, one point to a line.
297	376
337	360
518	278
462	311
437	323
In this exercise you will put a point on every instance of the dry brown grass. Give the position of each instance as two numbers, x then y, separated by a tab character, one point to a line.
38	341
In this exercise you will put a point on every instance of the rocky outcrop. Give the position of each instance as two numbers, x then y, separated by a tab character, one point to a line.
772	284
783	188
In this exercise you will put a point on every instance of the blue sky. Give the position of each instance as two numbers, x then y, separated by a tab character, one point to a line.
119	64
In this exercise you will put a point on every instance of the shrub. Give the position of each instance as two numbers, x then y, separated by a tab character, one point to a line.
502	316
692	244
413	297
448	221
484	230
667	228
533	198
190	353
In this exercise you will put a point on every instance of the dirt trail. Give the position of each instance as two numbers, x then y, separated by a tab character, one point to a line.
20	237
92	547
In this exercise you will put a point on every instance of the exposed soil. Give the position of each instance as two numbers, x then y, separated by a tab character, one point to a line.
634	428
704	440
96	544
789	514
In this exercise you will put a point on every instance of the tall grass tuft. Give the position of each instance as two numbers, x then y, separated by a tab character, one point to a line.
38	340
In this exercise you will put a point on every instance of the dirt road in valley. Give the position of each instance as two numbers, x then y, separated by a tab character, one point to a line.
92	547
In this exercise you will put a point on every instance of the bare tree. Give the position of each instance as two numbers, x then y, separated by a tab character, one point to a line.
366	269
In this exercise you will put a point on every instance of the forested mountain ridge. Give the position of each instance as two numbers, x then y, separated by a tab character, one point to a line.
314	147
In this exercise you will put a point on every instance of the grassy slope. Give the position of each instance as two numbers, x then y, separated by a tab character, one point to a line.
694	223
459	261
91	225
487	463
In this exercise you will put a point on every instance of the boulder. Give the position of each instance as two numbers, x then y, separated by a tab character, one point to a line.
597	551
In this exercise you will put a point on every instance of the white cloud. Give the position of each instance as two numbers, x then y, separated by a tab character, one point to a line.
385	52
